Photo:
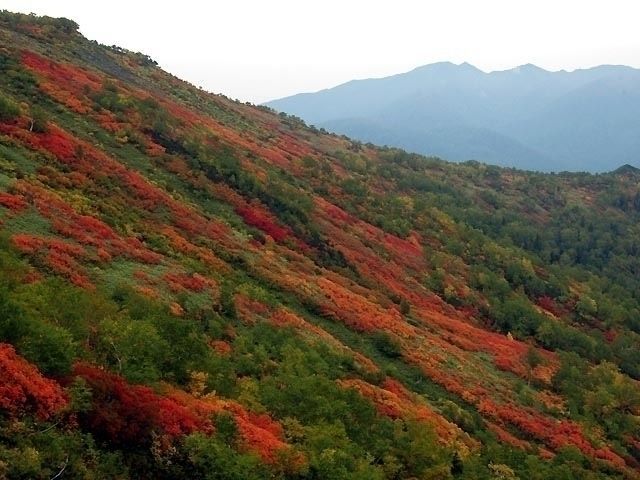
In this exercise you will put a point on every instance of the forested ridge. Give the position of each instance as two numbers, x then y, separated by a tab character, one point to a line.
192	287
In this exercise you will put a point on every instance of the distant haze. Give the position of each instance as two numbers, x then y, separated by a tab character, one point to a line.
257	50
526	117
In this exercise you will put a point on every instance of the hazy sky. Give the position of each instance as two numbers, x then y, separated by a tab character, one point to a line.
258	50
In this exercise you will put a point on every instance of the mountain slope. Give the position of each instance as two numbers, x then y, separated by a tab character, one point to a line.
525	117
192	287
456	143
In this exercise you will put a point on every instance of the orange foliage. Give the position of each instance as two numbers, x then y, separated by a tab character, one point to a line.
221	347
96	165
284	318
259	433
395	265
176	309
108	121
191	118
205	255
84	229
66	83
550	400
335	214
257	216
61	257
129	414
66	265
359	313
508	354
155	150
12	202
393	400
23	390
505	437
555	433
353	232
147	291
65	74
247	308
181	281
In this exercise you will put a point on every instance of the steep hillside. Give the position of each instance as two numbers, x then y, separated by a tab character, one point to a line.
525	117
192	287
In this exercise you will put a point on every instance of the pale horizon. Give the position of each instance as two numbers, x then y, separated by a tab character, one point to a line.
256	52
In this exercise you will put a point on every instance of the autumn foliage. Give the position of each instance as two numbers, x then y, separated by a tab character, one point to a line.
556	434
238	240
12	202
60	256
131	414
393	400
259	217
126	413
64	82
23	390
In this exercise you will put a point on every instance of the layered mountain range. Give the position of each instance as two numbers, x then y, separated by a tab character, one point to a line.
526	117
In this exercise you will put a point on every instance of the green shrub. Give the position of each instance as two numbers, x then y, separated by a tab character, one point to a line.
8	108
50	347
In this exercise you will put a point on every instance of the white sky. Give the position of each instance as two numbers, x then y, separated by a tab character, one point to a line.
258	50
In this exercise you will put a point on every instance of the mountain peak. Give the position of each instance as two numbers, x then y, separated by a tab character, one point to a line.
523	117
446	67
529	68
626	169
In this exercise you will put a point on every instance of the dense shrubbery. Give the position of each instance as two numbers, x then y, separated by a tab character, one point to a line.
214	291
8	108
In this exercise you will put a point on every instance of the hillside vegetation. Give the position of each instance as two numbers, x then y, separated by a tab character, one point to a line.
191	287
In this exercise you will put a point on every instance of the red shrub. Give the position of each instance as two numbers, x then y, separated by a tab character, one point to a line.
129	414
61	257
556	434
257	216
27	243
205	255
66	83
505	437
125	413
259	433
393	400
12	202
85	229
221	347
181	281
359	312
24	390
248	308
551	306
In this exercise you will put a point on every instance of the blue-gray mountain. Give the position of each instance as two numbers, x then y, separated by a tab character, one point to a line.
525	117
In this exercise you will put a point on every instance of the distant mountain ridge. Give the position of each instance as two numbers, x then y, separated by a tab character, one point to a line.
525	117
